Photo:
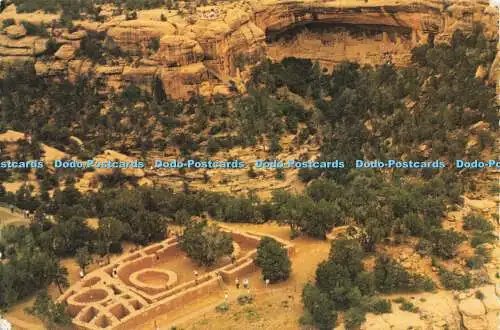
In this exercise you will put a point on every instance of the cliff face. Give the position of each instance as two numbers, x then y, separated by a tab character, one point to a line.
214	44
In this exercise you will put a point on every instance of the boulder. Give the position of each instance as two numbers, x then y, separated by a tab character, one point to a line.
473	314
15	31
27	46
490	301
65	52
481	72
11	136
222	90
178	50
77	35
184	81
480	126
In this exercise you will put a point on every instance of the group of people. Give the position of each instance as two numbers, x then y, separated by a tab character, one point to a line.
246	283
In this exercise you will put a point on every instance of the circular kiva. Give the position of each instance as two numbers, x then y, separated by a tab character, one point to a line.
90	295
152	280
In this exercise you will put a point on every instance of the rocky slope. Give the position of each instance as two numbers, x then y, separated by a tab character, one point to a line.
215	43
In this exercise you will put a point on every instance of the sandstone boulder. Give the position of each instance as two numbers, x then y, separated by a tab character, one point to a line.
41	68
77	35
11	136
490	301
15	31
184	81
222	90
481	72
178	50
65	52
473	314
479	127
27	46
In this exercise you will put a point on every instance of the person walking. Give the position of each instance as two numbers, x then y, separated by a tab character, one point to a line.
246	283
267	282
195	277
237	282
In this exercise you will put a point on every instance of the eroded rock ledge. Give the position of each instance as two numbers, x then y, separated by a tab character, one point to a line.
201	52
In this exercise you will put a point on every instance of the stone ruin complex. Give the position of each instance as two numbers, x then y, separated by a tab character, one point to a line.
142	289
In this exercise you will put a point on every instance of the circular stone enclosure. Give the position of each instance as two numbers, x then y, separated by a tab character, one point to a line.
152	280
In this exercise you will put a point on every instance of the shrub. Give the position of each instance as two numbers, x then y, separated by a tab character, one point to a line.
222	308
475	262
8	22
154	44
481	237
445	242
380	306
52	47
455	281
245	299
353	318
477	222
408	306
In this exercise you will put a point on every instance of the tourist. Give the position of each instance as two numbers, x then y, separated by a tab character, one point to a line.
12	209
82	273
195	277
237	282
246	284
267	282
156	326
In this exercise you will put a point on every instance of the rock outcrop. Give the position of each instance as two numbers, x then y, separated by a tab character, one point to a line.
135	36
217	43
473	314
15	31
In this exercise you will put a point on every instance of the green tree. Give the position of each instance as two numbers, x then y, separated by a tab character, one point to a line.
273	259
205	243
319	306
52	314
83	257
110	231
348	253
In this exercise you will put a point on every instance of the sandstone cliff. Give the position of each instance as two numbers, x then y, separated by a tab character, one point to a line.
212	45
